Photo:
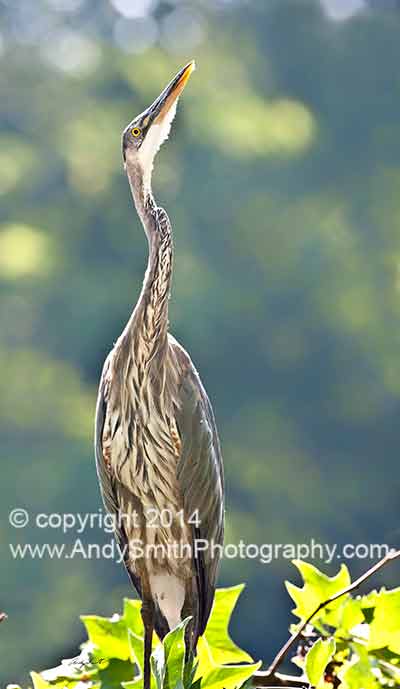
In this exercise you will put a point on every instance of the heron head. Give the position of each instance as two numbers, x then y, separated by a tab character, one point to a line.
143	136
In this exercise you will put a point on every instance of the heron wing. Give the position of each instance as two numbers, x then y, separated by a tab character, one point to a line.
201	480
110	489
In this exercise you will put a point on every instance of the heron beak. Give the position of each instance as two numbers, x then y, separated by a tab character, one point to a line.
161	106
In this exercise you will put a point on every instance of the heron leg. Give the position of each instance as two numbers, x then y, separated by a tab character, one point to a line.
147	611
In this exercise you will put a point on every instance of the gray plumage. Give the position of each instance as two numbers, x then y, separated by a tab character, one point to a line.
156	442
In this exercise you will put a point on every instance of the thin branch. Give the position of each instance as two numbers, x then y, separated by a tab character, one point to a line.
280	656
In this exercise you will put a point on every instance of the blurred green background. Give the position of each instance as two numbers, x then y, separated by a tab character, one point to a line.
282	180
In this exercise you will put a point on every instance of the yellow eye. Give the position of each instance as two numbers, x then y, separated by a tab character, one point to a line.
136	132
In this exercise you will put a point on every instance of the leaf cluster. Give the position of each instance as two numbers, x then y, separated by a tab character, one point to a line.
353	643
112	657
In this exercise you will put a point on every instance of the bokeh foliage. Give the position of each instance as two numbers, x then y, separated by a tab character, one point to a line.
282	180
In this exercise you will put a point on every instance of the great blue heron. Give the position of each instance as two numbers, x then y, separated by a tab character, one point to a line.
157	449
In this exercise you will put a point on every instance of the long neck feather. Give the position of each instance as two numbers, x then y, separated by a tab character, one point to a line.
148	325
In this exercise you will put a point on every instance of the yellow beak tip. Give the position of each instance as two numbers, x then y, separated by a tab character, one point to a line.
175	91
189	69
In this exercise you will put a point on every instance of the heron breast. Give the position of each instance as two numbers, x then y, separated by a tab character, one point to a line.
143	458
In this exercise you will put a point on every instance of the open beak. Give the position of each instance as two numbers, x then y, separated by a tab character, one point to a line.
161	106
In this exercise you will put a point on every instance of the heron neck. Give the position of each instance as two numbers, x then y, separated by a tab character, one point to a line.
149	322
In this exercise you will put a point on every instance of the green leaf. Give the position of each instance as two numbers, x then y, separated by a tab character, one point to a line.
158	665
116	672
211	673
317	659
39	682
196	684
358	673
132	616
229	676
204	657
174	649
83	667
369	600
223	650
387	656
136	646
350	615
318	587
190	670
109	635
385	625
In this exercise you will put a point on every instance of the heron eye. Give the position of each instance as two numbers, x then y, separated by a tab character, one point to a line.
136	132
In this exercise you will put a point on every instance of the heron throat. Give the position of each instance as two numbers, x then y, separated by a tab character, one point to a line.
149	321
